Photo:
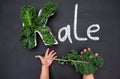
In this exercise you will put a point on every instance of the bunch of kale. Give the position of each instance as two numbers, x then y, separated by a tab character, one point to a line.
33	23
86	63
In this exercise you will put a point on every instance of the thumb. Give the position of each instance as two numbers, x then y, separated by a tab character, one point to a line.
39	56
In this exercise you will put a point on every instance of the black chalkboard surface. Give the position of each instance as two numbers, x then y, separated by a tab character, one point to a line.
17	62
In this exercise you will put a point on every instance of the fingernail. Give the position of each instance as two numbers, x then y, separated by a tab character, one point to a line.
96	54
81	52
85	50
89	49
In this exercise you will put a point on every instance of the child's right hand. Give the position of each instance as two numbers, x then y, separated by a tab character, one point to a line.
48	59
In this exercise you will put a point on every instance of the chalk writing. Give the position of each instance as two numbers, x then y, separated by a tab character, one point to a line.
68	31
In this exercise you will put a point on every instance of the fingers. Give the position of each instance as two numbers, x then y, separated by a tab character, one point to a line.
51	52
81	52
47	51
89	49
96	54
48	54
53	55
85	50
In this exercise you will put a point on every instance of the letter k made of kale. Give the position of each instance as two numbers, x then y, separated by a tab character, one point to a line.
33	23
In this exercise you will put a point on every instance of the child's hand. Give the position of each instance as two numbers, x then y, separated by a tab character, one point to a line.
47	60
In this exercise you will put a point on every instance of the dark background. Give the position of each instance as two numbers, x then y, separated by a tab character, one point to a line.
17	62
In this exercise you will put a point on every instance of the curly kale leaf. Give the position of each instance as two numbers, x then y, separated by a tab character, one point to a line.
87	63
28	37
28	15
47	11
47	37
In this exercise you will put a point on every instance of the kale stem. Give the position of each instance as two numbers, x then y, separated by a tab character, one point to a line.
58	59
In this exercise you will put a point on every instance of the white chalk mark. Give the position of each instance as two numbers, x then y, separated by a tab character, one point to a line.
75	25
89	31
67	34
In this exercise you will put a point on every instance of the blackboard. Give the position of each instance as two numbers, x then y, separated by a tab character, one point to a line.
17	62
